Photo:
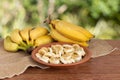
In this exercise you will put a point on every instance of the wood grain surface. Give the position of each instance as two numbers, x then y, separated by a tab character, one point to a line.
101	68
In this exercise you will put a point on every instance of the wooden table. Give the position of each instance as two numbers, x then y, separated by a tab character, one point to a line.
101	68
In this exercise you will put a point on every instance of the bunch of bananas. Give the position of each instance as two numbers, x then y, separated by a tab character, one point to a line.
60	31
67	32
26	38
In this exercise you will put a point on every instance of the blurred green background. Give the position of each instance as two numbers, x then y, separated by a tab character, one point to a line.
101	17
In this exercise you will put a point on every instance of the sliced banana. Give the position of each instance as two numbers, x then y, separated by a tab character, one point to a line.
83	52
76	57
64	54
67	55
68	48
54	60
66	60
48	54
69	61
76	47
42	52
45	59
79	50
72	60
63	60
38	55
58	49
50	50
45	48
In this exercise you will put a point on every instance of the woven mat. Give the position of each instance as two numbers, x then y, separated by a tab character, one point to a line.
12	64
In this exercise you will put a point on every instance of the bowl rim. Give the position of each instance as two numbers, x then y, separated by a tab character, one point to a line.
85	58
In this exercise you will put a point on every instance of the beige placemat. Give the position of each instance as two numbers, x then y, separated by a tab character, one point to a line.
12	64
100	48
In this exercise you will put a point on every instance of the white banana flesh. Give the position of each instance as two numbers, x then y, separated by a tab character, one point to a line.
50	55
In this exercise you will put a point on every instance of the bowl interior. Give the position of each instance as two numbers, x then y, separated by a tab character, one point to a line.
84	59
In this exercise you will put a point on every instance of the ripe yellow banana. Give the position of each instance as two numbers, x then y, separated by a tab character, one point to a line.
11	46
61	38
15	37
43	40
25	34
37	32
74	27
69	32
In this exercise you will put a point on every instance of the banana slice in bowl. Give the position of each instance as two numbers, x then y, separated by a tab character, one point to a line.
61	54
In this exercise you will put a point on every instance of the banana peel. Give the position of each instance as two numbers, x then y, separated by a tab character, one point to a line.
37	32
69	32
73	26
61	38
43	40
15	37
11	46
25	35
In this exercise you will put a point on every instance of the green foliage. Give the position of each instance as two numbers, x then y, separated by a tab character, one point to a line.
106	8
101	17
32	12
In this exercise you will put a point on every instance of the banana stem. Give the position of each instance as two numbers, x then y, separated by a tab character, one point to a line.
48	19
32	42
22	48
27	42
51	27
23	44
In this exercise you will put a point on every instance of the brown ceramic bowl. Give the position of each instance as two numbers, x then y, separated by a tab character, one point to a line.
85	58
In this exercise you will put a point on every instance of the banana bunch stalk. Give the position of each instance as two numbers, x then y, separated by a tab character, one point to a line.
67	32
26	39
